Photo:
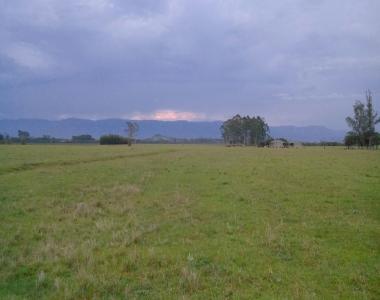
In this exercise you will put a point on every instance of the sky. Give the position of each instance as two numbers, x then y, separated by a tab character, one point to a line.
292	62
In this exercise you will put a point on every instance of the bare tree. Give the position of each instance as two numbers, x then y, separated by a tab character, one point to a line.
132	129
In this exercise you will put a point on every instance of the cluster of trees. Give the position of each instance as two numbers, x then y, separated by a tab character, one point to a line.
245	131
363	133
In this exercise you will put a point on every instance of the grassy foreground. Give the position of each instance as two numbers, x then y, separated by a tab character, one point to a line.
181	222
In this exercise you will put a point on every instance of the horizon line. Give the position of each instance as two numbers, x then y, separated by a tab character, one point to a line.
152	120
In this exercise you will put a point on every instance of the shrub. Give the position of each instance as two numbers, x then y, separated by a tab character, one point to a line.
113	139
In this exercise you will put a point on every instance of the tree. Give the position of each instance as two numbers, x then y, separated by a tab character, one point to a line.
372	120
350	139
363	122
245	130
232	130
132	129
23	136
259	130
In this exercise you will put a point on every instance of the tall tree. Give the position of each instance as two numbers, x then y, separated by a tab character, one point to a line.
363	122
372	119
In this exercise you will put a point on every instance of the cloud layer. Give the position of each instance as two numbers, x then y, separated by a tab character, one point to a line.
292	61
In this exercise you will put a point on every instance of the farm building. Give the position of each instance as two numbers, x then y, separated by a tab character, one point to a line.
277	144
282	143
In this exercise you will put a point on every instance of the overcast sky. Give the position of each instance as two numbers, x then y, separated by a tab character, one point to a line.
293	62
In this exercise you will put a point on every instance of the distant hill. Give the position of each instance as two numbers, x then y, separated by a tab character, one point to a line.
307	133
148	128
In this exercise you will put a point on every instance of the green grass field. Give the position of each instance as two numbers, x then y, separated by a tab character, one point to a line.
188	222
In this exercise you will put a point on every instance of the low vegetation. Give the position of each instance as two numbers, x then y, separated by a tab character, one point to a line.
185	221
83	139
113	139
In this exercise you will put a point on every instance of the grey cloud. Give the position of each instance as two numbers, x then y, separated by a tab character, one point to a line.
290	61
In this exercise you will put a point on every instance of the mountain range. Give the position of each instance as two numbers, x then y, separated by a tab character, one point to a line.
66	128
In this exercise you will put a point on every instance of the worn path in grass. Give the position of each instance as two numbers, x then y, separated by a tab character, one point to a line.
166	222
26	163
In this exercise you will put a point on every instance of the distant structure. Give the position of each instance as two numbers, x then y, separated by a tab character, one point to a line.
277	143
282	143
295	145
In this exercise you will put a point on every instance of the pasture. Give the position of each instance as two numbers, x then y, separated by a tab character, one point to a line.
188	222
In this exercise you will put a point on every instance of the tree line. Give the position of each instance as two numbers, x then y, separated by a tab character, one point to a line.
239	130
24	137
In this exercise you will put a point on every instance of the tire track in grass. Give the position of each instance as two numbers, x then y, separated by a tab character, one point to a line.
35	165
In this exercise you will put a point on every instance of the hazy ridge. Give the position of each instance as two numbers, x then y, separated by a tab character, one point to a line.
179	129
